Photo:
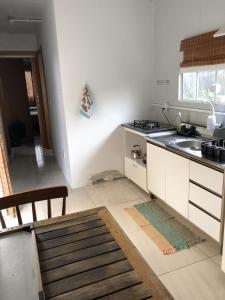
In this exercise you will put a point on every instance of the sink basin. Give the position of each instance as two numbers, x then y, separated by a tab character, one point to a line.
191	144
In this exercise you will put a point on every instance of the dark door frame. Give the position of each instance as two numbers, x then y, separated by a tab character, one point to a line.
37	55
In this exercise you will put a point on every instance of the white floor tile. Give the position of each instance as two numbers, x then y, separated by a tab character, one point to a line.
201	281
78	200
143	194
110	193
209	247
164	263
26	212
122	217
217	259
25	174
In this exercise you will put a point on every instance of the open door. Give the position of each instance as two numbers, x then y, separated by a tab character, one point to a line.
5	182
6	187
40	93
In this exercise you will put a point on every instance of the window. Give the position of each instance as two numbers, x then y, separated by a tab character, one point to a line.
202	83
202	73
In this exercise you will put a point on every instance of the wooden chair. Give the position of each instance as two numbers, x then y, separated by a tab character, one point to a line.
15	200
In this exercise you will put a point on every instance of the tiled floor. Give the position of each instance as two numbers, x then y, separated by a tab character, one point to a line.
188	274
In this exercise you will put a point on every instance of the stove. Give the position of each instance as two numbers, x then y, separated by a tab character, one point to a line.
145	124
148	126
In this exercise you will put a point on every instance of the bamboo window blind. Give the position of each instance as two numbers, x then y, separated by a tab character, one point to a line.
202	50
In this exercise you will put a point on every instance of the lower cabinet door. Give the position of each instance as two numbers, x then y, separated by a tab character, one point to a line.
156	171
136	172
177	183
205	222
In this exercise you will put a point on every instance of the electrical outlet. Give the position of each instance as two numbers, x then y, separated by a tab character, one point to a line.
162	81
166	106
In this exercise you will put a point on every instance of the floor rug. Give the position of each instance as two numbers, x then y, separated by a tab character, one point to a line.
168	233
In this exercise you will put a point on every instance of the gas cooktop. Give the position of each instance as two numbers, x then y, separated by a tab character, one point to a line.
148	126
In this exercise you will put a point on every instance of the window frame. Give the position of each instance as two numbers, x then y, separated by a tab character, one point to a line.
197	69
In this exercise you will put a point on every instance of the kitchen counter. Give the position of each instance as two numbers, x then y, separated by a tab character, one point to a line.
169	139
162	127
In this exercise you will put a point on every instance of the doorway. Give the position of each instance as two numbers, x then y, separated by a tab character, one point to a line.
23	103
24	112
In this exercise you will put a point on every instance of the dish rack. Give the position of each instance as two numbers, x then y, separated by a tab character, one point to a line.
214	149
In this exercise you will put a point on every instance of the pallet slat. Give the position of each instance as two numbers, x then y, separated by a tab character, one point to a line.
136	292
79	255
67	223
72	238
69	230
81	266
78	245
44	224
102	288
86	278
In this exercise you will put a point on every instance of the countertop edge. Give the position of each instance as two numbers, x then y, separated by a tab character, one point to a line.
203	161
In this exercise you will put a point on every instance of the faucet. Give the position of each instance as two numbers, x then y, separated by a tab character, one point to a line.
211	121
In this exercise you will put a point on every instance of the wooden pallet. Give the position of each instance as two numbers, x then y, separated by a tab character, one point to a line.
87	256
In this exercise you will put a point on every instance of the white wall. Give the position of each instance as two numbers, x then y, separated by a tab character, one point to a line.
108	45
48	40
176	20
18	42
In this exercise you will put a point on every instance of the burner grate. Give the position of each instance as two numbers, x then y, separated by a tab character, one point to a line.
146	124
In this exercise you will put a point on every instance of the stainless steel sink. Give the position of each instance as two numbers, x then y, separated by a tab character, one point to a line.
194	145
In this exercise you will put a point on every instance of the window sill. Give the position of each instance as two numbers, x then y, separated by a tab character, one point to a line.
200	102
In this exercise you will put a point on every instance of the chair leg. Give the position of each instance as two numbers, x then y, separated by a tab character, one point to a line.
34	212
49	209
2	220
19	215
64	206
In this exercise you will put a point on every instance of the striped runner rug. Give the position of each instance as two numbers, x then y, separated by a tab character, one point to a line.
168	233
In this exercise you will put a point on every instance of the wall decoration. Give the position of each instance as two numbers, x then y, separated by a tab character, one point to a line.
86	103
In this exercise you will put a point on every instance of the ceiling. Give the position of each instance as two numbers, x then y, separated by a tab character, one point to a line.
19	9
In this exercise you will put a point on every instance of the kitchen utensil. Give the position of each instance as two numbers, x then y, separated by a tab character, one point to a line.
136	152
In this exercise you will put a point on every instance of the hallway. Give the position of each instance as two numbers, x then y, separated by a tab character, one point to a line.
30	169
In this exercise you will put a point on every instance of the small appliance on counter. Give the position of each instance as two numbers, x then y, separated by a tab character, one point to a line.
148	126
214	150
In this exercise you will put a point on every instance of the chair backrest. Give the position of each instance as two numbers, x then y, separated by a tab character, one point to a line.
15	200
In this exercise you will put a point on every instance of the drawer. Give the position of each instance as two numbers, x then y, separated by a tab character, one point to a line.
211	179
136	172
204	222
206	200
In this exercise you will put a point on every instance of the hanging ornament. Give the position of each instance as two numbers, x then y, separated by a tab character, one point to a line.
86	103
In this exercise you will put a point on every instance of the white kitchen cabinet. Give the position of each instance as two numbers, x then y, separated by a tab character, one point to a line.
156	175
205	222
135	170
207	177
177	183
188	187
206	200
168	177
